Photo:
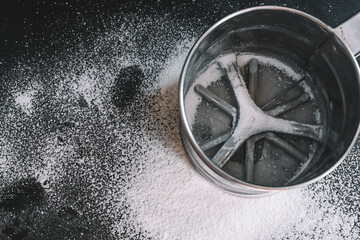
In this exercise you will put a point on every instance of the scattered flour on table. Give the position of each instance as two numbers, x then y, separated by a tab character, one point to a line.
172	202
89	90
24	100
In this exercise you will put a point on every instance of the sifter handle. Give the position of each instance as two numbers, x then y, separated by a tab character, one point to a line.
349	33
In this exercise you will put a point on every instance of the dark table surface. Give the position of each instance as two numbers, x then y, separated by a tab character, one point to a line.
32	31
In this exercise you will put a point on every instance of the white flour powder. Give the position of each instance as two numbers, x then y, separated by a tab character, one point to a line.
173	202
24	100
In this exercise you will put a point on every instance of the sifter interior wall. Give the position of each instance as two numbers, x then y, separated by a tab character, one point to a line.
284	35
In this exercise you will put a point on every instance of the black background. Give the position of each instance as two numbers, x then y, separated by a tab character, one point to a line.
26	26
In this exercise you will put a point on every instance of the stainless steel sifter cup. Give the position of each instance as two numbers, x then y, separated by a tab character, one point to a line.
270	99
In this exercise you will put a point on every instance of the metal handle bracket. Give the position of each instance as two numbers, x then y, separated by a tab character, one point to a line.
349	32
